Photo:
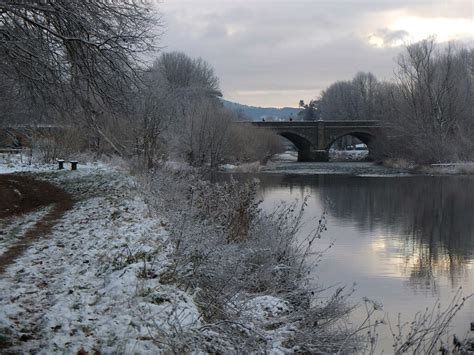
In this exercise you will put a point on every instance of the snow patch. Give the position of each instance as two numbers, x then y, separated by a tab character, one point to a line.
12	229
265	307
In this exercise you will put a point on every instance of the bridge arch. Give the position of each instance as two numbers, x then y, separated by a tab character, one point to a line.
300	142
365	137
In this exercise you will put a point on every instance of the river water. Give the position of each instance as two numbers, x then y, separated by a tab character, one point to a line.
405	241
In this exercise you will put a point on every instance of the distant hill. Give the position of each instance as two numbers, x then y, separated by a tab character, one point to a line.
254	113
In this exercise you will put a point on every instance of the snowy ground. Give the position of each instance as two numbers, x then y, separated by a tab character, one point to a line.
88	285
17	162
93	283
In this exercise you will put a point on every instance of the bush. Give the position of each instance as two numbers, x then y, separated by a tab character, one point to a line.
246	268
249	273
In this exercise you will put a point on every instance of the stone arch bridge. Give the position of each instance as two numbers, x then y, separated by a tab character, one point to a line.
314	138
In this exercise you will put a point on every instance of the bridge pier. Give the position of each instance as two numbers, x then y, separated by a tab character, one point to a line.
313	155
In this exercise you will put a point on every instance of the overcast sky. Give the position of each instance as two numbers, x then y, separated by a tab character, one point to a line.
274	53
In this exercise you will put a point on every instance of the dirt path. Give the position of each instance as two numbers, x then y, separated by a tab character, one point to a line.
22	194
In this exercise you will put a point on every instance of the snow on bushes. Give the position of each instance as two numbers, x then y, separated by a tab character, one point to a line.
245	268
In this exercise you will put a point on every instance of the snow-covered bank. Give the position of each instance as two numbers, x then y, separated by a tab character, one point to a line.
87	285
167	262
348	163
465	168
20	161
455	168
330	168
243	168
105	278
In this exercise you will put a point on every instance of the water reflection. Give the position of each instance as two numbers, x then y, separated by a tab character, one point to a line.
421	227
431	218
405	241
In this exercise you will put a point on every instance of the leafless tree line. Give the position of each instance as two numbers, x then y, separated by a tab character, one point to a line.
179	116
432	103
428	107
79	64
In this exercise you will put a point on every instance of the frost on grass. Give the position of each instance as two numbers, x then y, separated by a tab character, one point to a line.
93	284
246	269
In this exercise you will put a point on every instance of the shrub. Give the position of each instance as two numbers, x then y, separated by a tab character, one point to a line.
233	257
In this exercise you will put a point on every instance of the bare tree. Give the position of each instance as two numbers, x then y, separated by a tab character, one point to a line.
351	100
366	89
338	102
174	109
188	118
206	133
435	100
191	75
79	53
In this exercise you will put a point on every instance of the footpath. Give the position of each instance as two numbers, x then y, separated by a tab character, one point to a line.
76	252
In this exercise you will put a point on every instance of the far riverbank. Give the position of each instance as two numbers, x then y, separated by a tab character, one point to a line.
286	163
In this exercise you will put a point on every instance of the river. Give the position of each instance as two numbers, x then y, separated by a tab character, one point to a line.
405	241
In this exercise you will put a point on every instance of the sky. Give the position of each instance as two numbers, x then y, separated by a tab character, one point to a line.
274	53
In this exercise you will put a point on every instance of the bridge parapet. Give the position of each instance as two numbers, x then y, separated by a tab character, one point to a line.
315	123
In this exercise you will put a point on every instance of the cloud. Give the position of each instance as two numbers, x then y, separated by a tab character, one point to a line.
270	52
385	37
